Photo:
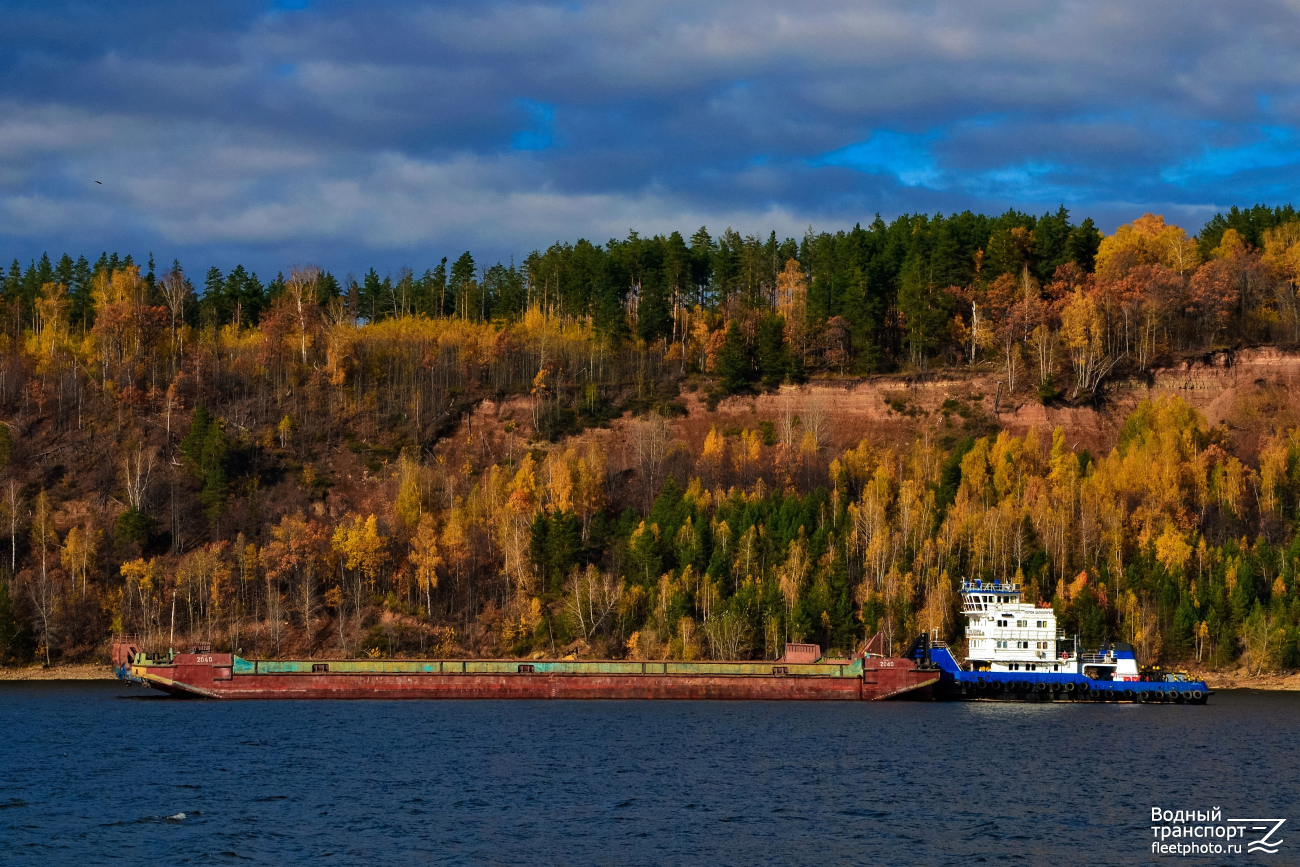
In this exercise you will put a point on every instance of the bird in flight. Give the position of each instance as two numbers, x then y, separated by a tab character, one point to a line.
101	183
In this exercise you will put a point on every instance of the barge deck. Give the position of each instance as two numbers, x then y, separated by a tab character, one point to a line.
204	674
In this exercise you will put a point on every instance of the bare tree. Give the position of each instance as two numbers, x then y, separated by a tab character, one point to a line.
592	599
729	635
274	611
176	289
336	312
1045	343
1259	634
42	588
11	513
788	421
817	420
650	445
301	290
137	467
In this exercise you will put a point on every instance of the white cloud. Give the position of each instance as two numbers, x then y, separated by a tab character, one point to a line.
387	129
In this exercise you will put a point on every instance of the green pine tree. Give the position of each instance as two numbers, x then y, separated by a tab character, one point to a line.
773	353
207	449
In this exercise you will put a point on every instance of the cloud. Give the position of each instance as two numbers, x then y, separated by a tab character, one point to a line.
394	134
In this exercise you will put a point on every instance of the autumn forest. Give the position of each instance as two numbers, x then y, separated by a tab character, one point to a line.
529	459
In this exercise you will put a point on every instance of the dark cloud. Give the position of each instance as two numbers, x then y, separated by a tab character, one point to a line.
395	133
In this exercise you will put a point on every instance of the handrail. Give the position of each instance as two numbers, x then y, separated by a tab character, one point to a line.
993	587
1096	657
1015	634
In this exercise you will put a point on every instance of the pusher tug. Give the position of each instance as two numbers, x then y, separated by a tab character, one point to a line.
1015	653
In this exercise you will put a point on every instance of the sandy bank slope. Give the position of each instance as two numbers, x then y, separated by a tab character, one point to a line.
1241	680
58	672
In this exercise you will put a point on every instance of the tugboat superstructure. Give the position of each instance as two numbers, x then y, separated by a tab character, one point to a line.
1015	652
1004	634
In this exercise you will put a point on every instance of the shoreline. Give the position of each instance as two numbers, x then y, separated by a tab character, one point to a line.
58	672
1223	680
1241	680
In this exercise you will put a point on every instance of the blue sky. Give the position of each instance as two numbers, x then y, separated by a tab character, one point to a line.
392	134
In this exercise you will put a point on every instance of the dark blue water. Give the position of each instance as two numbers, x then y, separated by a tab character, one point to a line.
96	773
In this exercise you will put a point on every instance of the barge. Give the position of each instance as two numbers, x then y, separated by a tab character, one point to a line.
803	674
1015	653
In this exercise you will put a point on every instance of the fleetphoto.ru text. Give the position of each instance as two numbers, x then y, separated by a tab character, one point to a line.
1206	832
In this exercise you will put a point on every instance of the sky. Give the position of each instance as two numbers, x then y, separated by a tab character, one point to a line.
352	135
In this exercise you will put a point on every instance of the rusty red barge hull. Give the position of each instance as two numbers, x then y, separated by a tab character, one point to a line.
218	675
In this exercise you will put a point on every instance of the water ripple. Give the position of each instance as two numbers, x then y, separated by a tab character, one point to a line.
87	778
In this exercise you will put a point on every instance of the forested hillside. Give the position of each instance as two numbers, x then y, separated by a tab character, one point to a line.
496	460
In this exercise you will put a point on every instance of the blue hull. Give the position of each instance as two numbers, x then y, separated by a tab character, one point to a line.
957	685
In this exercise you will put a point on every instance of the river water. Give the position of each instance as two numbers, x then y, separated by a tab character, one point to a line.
96	773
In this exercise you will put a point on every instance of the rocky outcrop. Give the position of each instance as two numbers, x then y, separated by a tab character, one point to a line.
1248	391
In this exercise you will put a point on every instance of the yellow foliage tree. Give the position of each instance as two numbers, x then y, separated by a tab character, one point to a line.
1282	249
426	558
589	484
714	453
1148	240
408	505
793	571
144	580
1231	245
747	452
203	575
523	488
455	539
50	324
560	469
1084	335
360	544
1172	550
792	304
78	556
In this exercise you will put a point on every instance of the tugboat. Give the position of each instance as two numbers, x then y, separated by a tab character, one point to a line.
1015	653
